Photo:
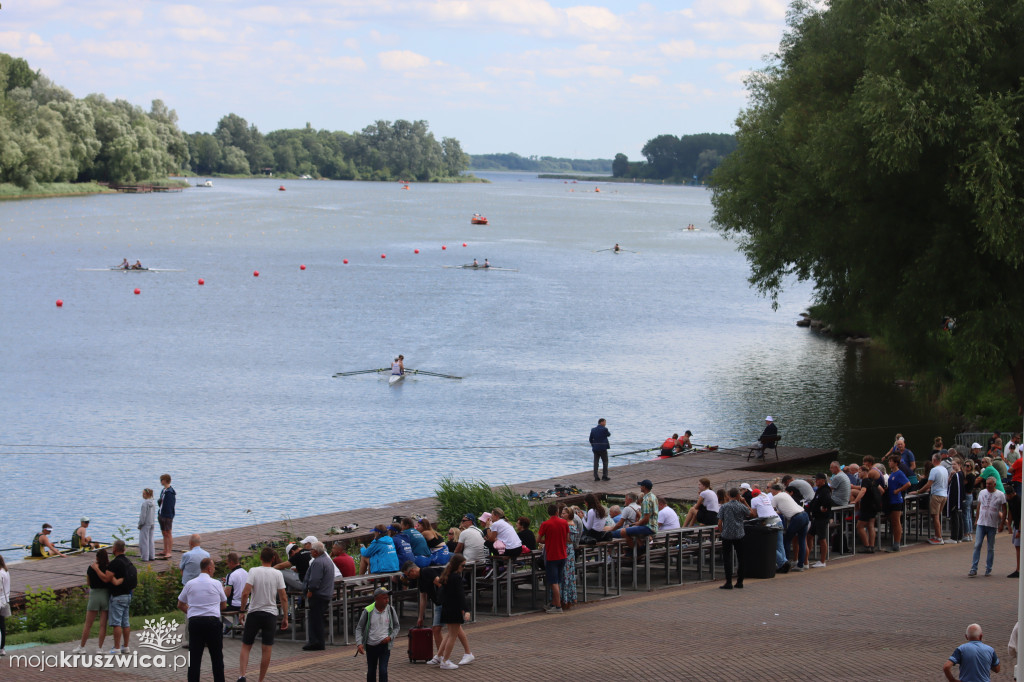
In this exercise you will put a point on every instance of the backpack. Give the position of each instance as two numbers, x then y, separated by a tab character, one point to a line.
131	576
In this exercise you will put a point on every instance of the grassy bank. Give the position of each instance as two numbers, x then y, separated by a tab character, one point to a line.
9	190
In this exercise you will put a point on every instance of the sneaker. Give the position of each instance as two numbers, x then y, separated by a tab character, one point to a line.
784	568
799	568
100	651
988	574
605	478
467	659
114	652
241	679
81	649
934	541
971	573
819	564
125	650
727	586
553	609
1015	574
2	653
894	548
448	665
436	660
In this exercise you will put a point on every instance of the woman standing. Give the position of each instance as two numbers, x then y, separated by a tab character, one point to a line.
147	520
955	501
99	600
453	608
970	484
5	603
568	591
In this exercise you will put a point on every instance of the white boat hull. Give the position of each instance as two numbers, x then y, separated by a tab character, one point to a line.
395	378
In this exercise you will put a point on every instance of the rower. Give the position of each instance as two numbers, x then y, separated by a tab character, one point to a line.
42	541
475	264
487	263
124	264
616	249
683	444
80	540
137	266
669	445
398	366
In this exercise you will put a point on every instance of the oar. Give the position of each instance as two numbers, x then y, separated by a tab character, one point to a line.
433	374
360	371
600	250
636	452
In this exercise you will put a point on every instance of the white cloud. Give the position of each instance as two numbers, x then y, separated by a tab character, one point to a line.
351	43
117	49
645	81
402	60
185	15
276	16
602	73
593	19
679	49
340	63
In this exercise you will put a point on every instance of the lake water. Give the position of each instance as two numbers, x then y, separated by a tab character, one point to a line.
228	386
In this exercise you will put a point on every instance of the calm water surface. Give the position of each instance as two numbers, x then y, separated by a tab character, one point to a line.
228	386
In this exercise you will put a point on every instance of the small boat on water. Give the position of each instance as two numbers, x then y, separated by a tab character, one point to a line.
479	267
395	378
478	219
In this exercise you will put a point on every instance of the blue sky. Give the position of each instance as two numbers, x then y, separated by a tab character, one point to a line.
531	76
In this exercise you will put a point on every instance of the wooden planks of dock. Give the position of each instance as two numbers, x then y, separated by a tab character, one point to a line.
675	478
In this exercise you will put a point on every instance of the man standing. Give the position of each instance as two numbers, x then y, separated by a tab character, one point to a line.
599	444
797	522
202	600
554	535
730	525
820	508
165	517
840	484
191	560
975	659
768	437
263	585
938	486
375	634
125	580
991	515
319	586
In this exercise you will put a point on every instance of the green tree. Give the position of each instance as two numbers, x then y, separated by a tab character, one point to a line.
880	158
620	166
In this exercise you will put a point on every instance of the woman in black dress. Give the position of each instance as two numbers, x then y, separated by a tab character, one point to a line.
454	611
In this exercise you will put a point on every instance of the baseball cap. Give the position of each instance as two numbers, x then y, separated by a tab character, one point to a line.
769	418
975	445
380	590
309	539
394	528
745	486
85	519
755	492
288	549
646	483
821	475
470	515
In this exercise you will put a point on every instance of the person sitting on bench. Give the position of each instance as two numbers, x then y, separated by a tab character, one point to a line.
768	437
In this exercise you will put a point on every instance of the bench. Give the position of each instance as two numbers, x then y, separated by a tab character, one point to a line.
767	443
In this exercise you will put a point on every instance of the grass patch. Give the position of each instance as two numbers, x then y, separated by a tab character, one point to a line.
9	190
73	633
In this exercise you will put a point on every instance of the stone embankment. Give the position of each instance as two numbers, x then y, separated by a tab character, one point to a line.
821	327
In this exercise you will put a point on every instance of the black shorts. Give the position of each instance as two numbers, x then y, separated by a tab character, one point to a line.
165	523
897	507
706	518
866	515
819	527
259	622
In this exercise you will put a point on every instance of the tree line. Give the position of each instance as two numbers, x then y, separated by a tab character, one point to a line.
880	158
47	135
541	164
683	159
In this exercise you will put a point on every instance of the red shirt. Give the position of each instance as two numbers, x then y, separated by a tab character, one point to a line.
554	533
668	444
1016	469
346	565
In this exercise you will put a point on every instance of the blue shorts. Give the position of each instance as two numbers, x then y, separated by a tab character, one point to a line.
554	569
639	530
436	622
118	611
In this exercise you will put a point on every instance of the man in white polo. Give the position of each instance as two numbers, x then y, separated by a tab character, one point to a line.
203	599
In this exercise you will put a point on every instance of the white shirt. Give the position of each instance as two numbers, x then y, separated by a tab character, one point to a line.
1011	458
473	544
762	504
594	522
668	519
710	500
786	505
237	582
506	533
204	595
989	506
379	622
5	587
265	581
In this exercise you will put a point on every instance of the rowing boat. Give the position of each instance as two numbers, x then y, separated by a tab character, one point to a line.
479	267
130	270
395	378
70	552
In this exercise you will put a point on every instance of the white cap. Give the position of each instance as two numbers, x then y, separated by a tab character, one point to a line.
288	549
309	539
769	418
745	486
975	445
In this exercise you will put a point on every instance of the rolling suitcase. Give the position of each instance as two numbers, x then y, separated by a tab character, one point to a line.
421	645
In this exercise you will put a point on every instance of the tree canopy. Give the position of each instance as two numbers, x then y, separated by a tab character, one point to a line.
880	158
541	164
686	158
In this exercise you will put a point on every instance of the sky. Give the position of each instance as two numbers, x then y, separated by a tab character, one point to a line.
540	77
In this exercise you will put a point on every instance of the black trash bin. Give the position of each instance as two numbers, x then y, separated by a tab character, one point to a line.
759	544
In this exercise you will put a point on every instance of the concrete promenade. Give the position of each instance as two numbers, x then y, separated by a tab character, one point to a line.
869	617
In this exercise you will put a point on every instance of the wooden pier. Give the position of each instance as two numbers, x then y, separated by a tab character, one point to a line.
674	478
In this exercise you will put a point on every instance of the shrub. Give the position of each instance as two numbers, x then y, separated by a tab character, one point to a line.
455	498
45	610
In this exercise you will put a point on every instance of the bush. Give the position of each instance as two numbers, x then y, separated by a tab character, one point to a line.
455	498
45	610
156	592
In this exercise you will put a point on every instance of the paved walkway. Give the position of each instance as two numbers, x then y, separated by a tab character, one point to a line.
869	617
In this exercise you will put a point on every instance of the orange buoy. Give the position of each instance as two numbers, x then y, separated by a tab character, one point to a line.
281	188
463	244
383	255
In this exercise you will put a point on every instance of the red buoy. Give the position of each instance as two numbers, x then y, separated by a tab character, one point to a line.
302	267
463	244
415	250
345	261
443	247
60	303
383	255
255	273
202	281
138	291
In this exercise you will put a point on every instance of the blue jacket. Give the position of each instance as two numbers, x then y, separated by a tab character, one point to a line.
403	549
382	555
599	438
166	503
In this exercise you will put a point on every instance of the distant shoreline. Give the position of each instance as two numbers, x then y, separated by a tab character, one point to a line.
611	178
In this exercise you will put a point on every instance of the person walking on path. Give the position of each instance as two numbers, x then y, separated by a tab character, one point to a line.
375	634
427	584
454	609
263	585
599	444
553	534
147	520
5	604
730	526
991	515
319	585
168	498
202	600
99	578
976	659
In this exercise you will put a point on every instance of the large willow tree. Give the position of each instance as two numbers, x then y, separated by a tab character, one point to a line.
880	158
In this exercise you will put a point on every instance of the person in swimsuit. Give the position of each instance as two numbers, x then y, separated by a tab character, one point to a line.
487	263
124	264
475	264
